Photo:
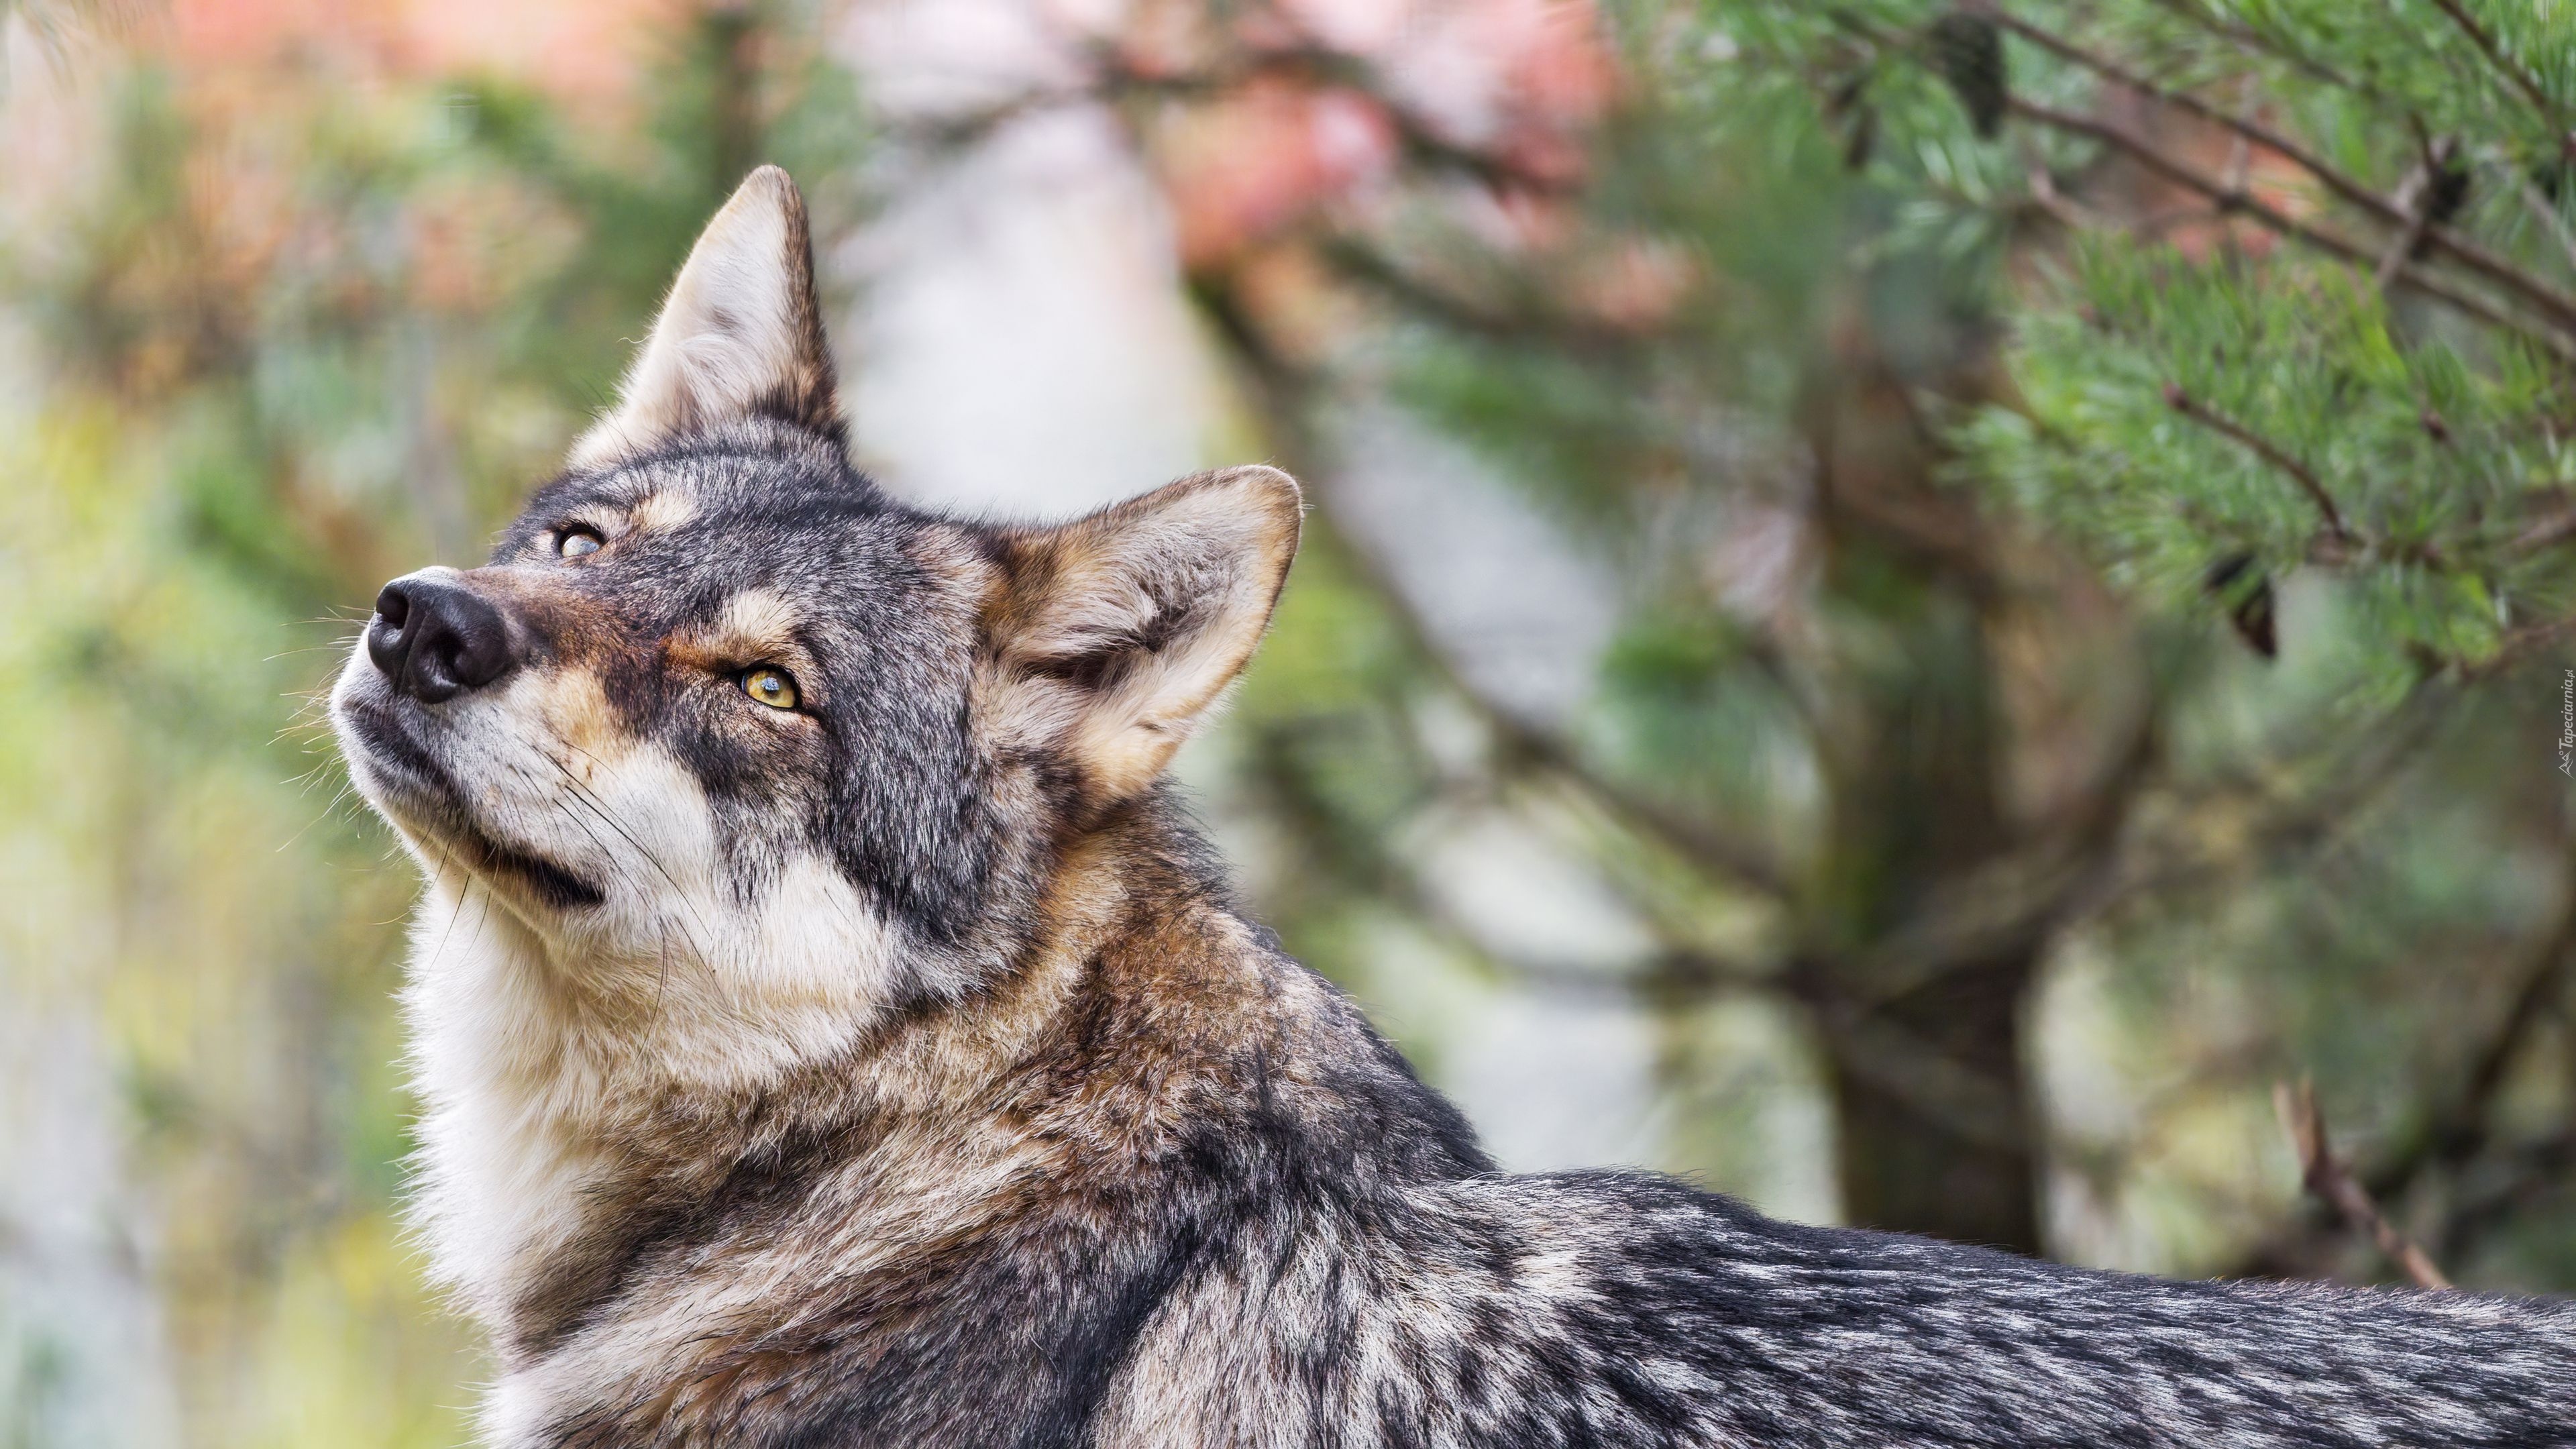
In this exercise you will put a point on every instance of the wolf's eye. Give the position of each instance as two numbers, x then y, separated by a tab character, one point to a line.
773	687
576	541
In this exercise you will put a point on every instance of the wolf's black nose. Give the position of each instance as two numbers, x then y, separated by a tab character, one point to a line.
435	638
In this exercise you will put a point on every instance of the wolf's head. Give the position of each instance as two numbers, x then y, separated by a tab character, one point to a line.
722	731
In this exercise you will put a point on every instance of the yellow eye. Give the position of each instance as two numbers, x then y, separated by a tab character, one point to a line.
773	687
576	541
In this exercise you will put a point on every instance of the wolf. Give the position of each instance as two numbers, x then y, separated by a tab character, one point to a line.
831	1032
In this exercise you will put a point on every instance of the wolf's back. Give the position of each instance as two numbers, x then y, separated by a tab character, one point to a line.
1623	1309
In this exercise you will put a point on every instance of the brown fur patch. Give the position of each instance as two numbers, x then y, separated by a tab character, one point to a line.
661	511
1114	635
756	626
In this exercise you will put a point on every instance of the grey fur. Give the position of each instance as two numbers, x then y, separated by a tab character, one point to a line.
898	1070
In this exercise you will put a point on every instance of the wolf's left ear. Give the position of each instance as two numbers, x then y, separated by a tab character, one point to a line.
1113	635
740	336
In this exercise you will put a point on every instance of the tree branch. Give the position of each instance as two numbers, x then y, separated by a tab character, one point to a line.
2511	69
2533	202
2415	197
1705	845
2519	645
2265	449
2235	199
2528	1175
2460	1131
1113	78
2495	268
2253	39
1901	1063
1372	268
2331	1179
2546	533
1676	972
2275	220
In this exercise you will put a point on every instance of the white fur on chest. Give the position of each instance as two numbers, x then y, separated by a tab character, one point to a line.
532	1058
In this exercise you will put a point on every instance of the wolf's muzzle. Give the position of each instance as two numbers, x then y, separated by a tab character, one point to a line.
435	638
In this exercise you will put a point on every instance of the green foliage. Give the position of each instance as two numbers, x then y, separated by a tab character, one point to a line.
2060	407
2438	435
2434	462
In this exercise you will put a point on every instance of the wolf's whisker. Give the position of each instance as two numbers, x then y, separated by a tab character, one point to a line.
339	797
624	874
589	799
661	973
582	791
440	950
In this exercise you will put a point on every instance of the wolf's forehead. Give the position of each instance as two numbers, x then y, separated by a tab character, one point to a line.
662	510
725	520
747	548
674	489
759	622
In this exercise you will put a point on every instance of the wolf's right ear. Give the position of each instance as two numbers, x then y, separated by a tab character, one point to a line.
740	336
1113	636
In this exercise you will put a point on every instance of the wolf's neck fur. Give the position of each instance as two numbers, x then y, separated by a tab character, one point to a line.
553	1107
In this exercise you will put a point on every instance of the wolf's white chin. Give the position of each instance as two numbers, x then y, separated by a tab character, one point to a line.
533	1051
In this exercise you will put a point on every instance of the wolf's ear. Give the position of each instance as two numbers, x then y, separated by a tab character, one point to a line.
740	336
1114	634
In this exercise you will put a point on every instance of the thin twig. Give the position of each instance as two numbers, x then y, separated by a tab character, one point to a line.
2053	203
2549	532
1968	1103
1418	137
1676	972
1372	268
2460	1131
2527	1176
1284	388
2518	646
2272	218
2240	150
2265	449
1712	849
2477	258
2252	39
2513	70
2331	1179
2414	197
2543	981
2542	211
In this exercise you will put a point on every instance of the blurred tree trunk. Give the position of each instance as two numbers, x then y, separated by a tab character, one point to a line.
1925	1058
731	33
1952	1158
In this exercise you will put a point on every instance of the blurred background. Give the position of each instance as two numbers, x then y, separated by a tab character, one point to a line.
1910	606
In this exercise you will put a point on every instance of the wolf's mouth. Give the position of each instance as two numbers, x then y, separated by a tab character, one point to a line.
553	884
428	799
